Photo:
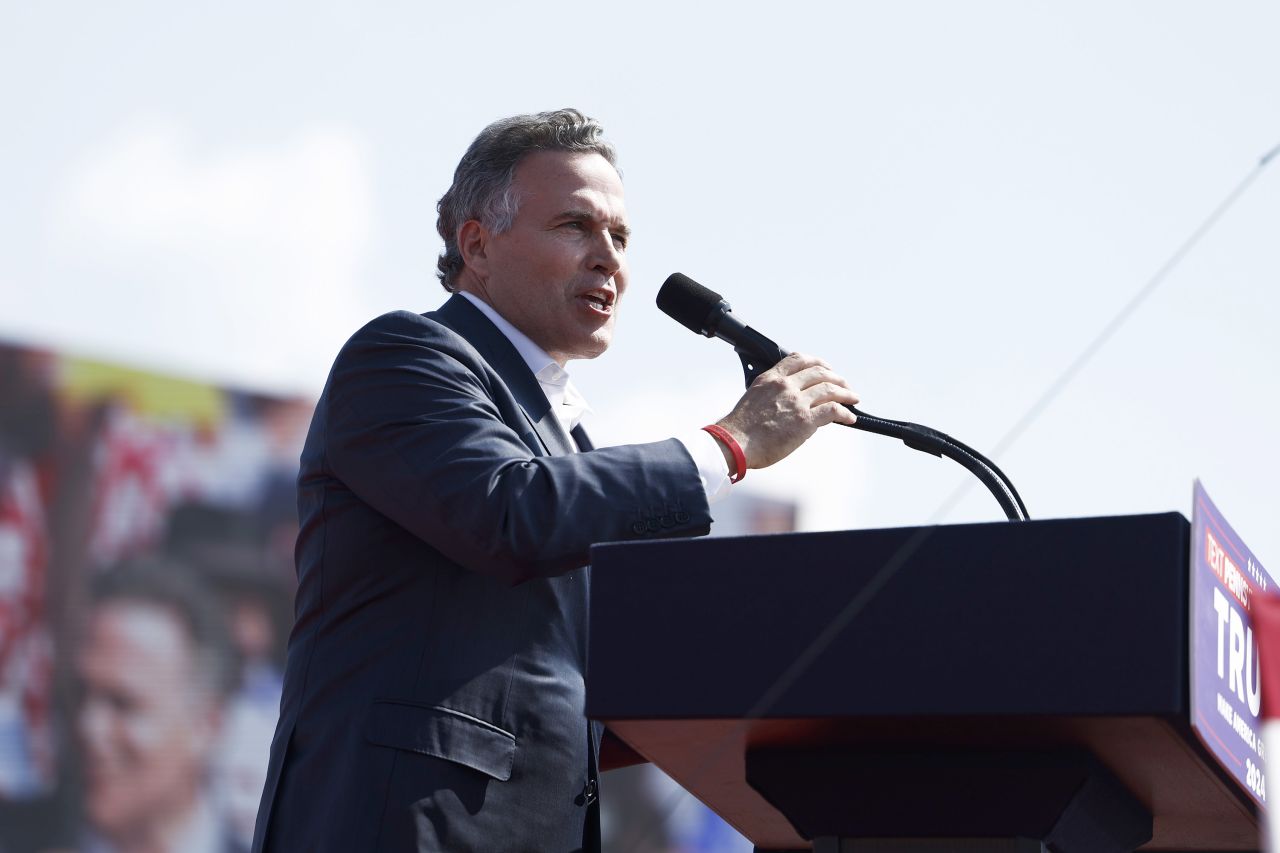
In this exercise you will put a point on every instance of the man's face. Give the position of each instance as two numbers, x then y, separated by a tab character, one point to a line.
559	272
144	725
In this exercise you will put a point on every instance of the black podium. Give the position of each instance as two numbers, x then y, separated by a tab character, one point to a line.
1024	686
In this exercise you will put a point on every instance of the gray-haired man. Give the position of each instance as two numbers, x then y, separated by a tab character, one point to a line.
434	691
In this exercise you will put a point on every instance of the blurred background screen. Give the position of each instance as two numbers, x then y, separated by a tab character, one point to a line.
146	534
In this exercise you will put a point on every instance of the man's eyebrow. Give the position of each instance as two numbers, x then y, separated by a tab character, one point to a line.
620	228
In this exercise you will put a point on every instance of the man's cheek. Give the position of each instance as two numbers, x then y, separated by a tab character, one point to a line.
142	737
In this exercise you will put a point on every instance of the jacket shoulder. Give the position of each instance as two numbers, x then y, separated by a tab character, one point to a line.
405	338
406	327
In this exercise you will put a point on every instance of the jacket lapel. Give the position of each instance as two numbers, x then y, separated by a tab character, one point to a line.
467	320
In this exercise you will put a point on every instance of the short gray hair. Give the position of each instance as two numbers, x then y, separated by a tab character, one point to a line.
482	182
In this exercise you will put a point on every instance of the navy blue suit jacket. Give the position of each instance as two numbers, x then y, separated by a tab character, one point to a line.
434	695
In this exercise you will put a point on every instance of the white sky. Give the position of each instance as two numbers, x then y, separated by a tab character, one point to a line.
945	200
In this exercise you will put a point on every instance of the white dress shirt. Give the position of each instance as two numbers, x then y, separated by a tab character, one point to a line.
569	405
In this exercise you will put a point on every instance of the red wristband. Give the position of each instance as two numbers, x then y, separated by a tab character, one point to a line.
739	458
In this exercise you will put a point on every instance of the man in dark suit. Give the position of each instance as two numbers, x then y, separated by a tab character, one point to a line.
434	694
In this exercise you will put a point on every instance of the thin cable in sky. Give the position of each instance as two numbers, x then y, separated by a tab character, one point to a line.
1122	316
891	567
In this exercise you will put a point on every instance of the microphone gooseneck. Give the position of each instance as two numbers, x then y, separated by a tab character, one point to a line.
705	312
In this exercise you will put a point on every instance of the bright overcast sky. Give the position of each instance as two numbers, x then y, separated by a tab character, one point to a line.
946	200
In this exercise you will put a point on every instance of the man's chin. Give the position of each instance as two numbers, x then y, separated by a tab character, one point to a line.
592	347
593	352
110	817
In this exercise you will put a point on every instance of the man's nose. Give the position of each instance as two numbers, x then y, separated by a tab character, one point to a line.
606	256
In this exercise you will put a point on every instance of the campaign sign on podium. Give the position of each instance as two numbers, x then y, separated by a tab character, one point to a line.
1226	693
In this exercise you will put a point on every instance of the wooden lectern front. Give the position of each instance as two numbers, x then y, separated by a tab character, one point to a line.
919	688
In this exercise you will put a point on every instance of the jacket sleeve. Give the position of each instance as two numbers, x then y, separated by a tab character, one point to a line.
413	429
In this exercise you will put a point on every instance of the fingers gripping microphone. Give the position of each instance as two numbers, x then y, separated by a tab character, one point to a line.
704	311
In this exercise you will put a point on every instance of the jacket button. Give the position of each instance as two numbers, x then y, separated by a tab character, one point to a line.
589	791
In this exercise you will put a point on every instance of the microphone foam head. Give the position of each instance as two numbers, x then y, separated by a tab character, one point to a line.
689	303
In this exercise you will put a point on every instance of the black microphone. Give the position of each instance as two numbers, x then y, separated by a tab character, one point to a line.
702	310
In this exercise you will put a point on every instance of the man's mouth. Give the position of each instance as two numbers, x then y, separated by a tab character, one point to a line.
600	300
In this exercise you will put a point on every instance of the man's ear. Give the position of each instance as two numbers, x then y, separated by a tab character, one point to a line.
473	241
204	729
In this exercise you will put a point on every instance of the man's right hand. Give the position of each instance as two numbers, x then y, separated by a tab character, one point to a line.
784	406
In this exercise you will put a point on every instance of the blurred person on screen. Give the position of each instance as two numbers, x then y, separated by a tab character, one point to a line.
154	671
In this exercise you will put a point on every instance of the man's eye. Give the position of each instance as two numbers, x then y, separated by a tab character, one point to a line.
575	225
620	241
